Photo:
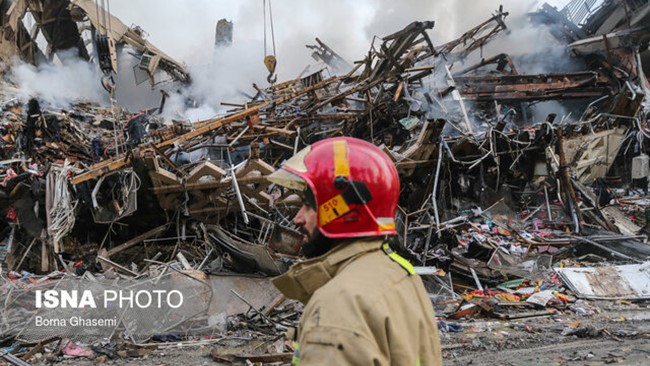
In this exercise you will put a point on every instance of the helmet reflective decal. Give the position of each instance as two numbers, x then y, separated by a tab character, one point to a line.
341	163
385	223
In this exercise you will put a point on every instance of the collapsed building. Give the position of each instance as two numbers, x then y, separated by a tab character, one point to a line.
504	169
136	72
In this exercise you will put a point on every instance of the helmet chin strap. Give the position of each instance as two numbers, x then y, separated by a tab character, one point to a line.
374	219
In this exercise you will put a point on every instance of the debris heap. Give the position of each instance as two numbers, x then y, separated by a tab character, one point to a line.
521	191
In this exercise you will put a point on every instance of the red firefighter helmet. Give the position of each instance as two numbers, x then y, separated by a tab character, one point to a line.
354	183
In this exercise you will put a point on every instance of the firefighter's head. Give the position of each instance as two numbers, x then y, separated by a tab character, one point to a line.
350	188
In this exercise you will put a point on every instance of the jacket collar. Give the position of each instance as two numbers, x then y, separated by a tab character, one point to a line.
304	278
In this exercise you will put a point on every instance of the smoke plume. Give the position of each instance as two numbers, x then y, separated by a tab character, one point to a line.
185	31
59	84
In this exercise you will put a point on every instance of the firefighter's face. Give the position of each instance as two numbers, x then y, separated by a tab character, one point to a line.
305	219
314	243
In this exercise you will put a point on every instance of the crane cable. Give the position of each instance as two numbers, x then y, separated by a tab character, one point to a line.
269	60
104	43
109	65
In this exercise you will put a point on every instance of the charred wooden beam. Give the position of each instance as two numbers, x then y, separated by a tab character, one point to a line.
501	60
123	160
532	87
323	52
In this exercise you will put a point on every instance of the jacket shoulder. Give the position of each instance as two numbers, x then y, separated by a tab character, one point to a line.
364	284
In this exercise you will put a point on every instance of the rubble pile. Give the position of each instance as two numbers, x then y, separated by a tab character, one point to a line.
523	192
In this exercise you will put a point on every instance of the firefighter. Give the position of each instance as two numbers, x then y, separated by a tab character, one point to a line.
364	304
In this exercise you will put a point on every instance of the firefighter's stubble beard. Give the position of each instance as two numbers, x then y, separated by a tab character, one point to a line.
317	244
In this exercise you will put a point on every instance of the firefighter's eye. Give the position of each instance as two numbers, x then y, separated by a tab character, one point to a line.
305	198
305	201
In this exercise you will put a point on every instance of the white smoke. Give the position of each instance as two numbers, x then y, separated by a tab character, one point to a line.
59	84
533	48
185	30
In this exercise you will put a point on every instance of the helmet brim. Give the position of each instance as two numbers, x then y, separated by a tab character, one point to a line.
287	179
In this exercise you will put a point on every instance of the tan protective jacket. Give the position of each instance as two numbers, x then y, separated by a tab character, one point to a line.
362	308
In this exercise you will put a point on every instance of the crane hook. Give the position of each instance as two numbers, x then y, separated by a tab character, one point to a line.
270	62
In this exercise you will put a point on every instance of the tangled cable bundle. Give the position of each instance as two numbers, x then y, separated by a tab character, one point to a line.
63	206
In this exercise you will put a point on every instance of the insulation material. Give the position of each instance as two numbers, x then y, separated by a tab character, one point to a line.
630	281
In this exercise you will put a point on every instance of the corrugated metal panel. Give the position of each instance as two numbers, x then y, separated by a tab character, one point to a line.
630	281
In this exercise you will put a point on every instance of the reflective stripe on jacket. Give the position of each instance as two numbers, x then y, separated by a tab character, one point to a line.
362	308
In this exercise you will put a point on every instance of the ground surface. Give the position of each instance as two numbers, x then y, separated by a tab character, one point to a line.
616	336
619	334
